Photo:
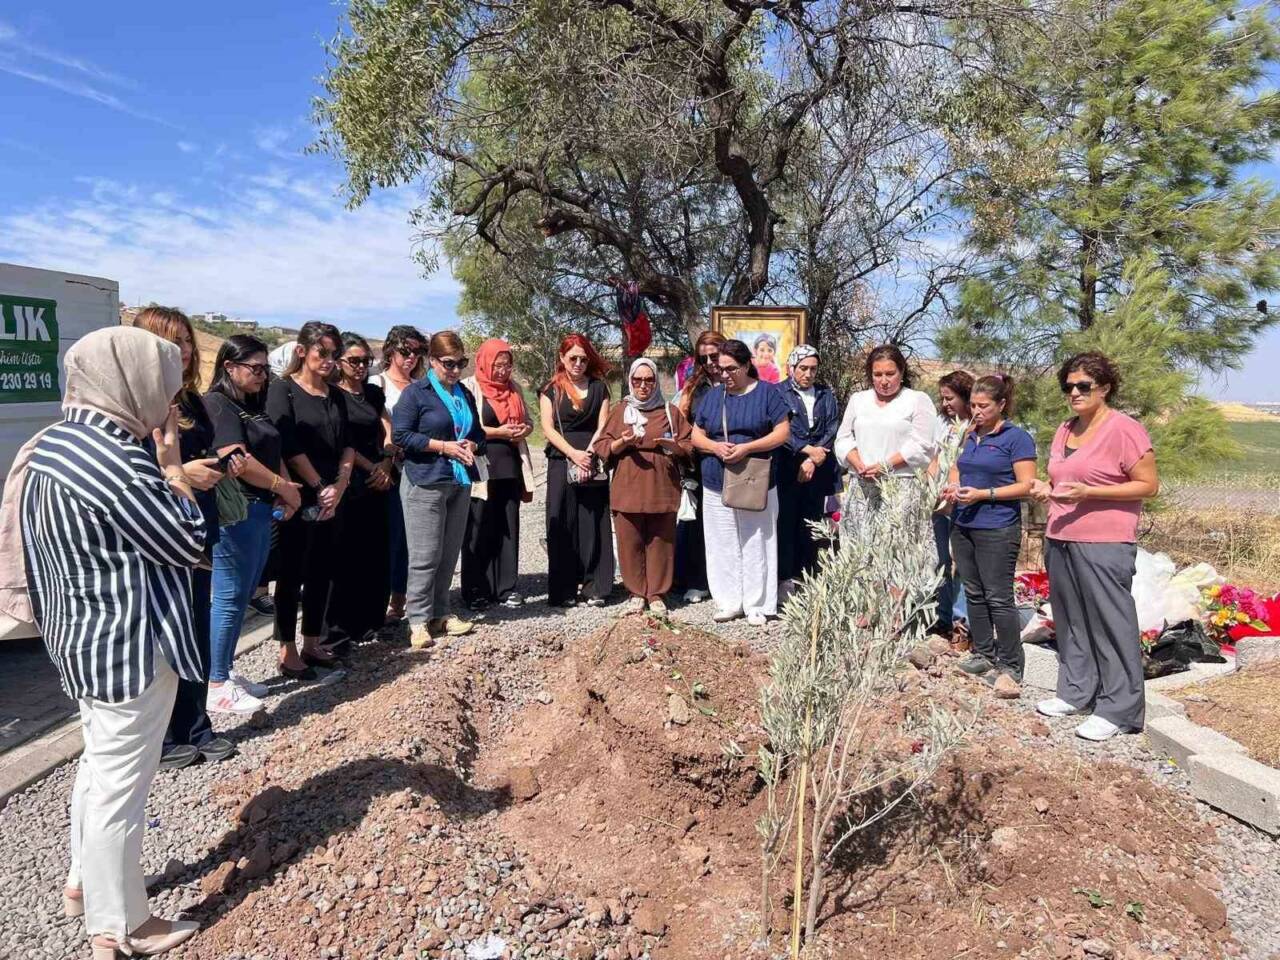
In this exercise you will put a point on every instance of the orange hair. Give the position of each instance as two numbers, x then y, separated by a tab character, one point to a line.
596	367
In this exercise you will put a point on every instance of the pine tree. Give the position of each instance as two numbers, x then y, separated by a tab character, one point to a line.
1110	200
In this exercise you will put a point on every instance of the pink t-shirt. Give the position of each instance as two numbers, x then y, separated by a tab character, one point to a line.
1104	460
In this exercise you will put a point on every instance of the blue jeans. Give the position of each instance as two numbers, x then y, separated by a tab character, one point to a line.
952	603
238	561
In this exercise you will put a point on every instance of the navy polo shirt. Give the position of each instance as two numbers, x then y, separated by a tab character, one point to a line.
987	462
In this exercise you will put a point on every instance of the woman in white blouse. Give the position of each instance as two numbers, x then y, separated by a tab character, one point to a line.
887	433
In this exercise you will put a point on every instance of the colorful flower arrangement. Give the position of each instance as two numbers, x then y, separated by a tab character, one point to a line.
1227	607
1031	589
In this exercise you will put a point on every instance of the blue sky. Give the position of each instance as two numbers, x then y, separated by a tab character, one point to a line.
160	145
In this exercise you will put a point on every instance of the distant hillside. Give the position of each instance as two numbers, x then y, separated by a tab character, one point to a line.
1242	413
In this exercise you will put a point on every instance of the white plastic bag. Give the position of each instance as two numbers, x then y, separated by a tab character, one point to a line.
1165	597
688	511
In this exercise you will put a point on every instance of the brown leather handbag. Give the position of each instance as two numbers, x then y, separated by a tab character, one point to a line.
746	483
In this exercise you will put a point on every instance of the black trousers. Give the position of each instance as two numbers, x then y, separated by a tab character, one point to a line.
986	561
308	561
691	552
579	539
798	545
358	601
491	550
189	722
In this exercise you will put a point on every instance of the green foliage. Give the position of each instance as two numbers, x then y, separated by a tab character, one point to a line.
1260	443
1124	136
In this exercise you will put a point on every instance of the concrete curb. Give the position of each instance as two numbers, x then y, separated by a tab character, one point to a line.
38	757
1222	773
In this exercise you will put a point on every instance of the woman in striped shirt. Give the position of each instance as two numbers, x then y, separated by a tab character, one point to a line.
110	538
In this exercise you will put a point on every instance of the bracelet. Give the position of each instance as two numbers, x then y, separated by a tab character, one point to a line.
176	475
991	494
275	483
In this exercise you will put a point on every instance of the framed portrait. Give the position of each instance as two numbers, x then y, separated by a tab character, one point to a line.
771	333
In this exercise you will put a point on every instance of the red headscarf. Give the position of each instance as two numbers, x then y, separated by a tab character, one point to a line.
503	397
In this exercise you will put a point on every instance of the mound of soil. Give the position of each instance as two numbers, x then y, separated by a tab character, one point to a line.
599	800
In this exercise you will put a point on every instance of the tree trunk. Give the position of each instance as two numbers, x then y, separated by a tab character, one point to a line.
817	875
1088	311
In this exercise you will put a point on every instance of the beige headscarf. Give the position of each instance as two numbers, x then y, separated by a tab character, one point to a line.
126	374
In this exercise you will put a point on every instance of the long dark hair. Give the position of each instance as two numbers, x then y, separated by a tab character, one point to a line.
397	341
740	352
238	349
351	339
310	336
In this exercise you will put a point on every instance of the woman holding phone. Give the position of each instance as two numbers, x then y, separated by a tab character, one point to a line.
1101	468
236	401
190	735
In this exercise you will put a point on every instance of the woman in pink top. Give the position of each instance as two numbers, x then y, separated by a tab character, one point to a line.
1101	468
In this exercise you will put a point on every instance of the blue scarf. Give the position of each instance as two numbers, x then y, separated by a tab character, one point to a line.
460	413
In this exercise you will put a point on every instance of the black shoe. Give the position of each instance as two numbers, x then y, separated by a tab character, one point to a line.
179	757
977	665
306	673
217	749
263	605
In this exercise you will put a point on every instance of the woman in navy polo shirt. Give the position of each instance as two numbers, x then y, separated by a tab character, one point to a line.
996	468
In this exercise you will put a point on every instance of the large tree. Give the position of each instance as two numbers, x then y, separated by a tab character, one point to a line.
652	139
1126	132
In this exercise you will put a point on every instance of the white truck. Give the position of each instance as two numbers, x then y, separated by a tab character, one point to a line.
42	312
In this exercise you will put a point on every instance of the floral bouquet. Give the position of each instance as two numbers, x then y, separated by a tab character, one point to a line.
1031	589
1228	606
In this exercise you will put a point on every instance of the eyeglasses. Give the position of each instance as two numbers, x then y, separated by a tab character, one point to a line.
501	366
709	358
727	371
324	353
642	381
1082	387
257	369
582	359
356	361
450	364
412	352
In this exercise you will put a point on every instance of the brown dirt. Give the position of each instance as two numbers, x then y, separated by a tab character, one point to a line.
596	826
1245	706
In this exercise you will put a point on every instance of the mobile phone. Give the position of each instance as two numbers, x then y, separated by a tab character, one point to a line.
224	461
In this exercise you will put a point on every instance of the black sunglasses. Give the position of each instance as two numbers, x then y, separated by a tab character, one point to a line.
643	380
1082	387
451	364
709	357
258	369
356	361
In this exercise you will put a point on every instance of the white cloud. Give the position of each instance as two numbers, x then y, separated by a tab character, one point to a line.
275	248
186	146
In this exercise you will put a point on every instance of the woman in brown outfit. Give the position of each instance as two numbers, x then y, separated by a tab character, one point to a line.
643	440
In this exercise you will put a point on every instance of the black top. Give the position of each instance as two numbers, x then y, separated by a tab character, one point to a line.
576	426
314	427
235	424
364	431
504	458
195	442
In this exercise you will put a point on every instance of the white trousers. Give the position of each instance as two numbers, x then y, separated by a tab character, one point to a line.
742	555
122	743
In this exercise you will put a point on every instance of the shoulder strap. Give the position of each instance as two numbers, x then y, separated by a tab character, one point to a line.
724	413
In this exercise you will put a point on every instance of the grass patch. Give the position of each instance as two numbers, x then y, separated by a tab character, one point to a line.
1260	443
1244	706
1242	545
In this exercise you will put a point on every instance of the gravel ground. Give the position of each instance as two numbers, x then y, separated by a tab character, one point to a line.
183	827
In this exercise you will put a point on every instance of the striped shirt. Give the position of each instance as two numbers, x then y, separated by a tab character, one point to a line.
110	550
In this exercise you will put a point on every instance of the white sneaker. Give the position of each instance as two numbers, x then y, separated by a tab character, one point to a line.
695	596
658	608
1057	708
1097	728
757	619
229	698
251	687
724	616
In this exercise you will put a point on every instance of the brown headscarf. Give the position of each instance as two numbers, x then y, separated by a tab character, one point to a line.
125	374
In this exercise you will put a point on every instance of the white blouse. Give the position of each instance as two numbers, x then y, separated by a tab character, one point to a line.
907	424
389	389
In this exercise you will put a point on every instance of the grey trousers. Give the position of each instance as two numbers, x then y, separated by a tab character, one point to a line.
1094	616
435	522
